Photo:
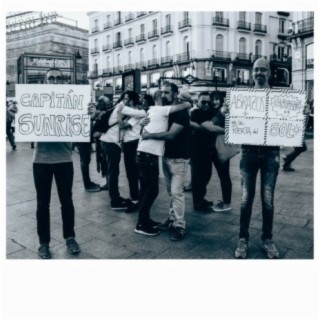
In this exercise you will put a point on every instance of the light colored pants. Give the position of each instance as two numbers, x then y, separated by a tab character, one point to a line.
175	171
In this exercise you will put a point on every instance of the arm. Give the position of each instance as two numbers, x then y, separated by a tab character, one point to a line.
179	107
130	112
195	125
169	135
208	125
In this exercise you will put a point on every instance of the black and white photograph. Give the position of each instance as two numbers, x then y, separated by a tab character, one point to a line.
164	138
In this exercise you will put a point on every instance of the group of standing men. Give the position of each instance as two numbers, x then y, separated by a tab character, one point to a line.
163	130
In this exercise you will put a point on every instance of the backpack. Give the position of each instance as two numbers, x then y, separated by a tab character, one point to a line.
102	122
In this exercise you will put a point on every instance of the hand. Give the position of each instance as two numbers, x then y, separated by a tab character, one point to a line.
225	109
145	135
144	121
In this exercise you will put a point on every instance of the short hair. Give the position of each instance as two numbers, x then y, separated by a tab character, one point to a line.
173	86
204	93
54	69
132	96
149	99
104	99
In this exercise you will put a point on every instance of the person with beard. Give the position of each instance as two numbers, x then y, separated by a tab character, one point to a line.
175	161
255	158
200	152
148	154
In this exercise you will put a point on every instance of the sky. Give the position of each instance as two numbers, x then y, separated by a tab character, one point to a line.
81	17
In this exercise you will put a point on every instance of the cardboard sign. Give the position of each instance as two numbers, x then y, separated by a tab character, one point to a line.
266	117
52	113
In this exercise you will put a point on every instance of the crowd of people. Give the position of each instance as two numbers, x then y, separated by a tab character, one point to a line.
168	126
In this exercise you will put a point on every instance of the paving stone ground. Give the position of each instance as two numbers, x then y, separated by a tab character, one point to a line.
107	234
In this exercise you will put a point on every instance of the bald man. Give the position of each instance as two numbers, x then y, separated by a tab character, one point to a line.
253	159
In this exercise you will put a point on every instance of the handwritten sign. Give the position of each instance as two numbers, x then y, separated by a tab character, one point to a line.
52	113
270	117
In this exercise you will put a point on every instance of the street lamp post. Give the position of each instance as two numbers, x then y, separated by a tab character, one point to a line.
77	56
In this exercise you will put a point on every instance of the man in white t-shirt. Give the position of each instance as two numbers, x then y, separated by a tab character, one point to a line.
148	161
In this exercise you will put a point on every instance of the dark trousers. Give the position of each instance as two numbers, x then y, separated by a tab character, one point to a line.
149	184
114	157
294	154
200	174
223	170
43	175
265	159
132	170
85	159
9	132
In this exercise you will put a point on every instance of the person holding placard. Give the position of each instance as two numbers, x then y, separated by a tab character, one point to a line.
54	159
255	158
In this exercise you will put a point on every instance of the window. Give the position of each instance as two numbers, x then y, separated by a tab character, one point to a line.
168	74
242	45
96	23
242	16
281	25
108	62
220	74
118	36
185	15
219	15
130	57
108	18
243	76
154	52
141	55
118	60
141	28
309	54
118	83
154	79
258	48
119	15
130	33
168	48
154	24
186	44
258	18
168	19
108	40
144	80
219	42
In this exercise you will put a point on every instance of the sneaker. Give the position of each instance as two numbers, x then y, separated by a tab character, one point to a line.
43	251
220	206
203	208
120	204
154	224
132	207
166	225
146	230
178	234
271	249
73	247
105	187
207	203
242	248
287	168
14	147
93	187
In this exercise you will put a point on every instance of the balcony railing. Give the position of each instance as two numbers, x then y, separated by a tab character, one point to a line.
94	73
153	63
244	56
128	67
217	21
94	50
259	28
183	57
128	41
153	34
107	71
309	63
242	25
117	21
141	13
184	23
220	55
141	65
117	70
166	60
167	29
141	37
117	44
306	25
95	29
107	25
107	47
129	17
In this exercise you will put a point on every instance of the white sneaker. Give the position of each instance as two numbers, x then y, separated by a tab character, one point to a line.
270	249
221	206
242	248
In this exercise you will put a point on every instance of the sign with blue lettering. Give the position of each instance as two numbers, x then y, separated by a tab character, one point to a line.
266	117
52	113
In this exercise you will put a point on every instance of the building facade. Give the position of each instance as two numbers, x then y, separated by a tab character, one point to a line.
45	35
218	48
302	39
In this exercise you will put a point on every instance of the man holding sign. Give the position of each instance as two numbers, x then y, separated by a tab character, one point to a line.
253	159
